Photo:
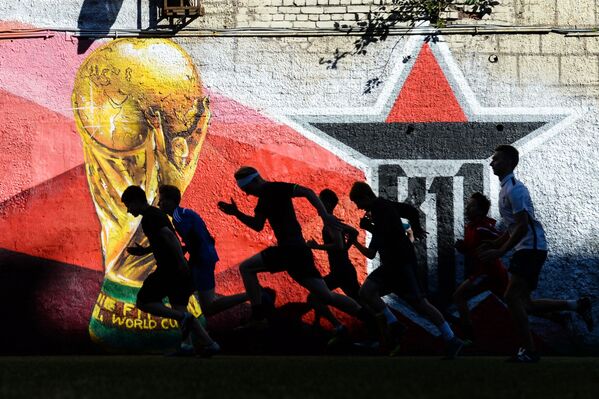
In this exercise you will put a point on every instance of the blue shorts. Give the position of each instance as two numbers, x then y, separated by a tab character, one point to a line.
203	276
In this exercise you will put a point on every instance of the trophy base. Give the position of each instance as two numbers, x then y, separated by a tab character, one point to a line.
117	325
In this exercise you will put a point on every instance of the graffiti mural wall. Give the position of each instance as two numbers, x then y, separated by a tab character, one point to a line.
82	121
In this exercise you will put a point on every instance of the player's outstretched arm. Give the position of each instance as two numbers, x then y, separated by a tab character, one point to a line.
508	240
255	222
411	213
139	250
369	252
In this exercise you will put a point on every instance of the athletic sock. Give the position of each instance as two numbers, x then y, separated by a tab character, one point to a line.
389	316
446	332
572	304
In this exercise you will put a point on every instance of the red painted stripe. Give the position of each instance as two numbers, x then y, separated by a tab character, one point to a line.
36	144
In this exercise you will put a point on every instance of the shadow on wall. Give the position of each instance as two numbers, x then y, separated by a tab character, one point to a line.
97	16
46	306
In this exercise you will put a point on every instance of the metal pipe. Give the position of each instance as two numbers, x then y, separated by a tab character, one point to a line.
473	30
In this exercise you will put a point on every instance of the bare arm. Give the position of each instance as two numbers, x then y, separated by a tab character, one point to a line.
337	242
255	222
409	212
507	241
369	252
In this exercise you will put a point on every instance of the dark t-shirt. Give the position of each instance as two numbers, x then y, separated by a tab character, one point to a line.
275	204
338	258
389	234
153	220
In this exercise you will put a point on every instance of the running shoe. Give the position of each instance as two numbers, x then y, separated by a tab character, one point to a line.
210	350
453	348
524	356
396	332
340	335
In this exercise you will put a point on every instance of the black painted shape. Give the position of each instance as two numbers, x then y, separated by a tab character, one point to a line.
438	140
388	176
442	187
473	174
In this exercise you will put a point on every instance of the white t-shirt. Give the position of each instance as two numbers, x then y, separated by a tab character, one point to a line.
515	198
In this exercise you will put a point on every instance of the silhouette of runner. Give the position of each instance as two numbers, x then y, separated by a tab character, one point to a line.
342	272
526	236
171	278
397	271
291	254
202	253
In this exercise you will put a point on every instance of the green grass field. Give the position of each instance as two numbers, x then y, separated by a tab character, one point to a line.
295	377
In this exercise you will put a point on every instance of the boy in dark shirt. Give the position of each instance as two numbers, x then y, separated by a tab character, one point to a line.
483	276
342	272
291	254
171	278
397	271
202	252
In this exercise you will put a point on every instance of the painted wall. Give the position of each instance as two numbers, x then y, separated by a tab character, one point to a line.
424	134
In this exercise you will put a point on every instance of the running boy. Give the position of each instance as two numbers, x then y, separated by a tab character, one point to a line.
483	276
526	236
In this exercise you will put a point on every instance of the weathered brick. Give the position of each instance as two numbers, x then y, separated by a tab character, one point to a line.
335	10
579	70
576	12
520	44
290	10
505	69
311	10
363	9
266	10
539	69
304	24
324	24
537	12
264	17
282	24
592	45
559	44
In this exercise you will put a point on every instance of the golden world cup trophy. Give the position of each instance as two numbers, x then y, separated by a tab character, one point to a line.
142	116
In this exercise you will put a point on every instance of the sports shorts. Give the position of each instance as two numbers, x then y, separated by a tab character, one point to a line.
175	286
345	279
296	260
203	276
527	263
399	279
